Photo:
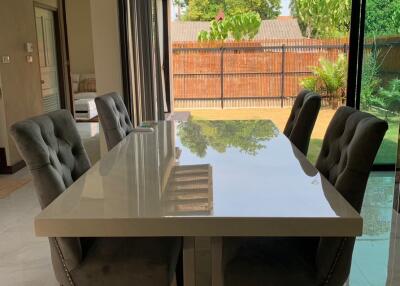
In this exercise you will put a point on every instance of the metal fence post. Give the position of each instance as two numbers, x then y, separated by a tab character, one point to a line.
222	77
283	74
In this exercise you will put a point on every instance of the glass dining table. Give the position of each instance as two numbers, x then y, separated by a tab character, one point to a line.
201	179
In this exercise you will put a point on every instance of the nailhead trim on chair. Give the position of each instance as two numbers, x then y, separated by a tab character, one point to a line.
339	253
71	282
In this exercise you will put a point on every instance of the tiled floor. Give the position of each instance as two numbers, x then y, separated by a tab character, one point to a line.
25	259
88	130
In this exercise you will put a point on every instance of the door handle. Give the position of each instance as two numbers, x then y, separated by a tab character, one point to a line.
42	81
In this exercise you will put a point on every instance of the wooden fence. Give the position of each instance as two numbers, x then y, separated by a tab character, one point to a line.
258	71
251	71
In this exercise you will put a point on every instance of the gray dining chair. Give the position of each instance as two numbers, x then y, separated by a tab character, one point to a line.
114	118
302	119
347	155
53	151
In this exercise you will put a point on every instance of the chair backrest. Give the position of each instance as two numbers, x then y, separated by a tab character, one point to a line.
302	119
114	118
347	155
53	151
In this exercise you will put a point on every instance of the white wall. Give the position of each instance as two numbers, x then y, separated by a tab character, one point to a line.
106	50
22	95
106	46
79	26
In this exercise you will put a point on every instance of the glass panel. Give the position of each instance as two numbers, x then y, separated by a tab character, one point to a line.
372	262
380	92
234	74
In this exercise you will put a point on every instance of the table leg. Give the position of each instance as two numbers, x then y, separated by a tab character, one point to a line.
189	261
216	261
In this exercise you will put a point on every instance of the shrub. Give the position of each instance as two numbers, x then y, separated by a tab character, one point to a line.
372	94
329	79
389	98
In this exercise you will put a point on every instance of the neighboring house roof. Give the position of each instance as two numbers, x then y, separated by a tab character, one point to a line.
287	28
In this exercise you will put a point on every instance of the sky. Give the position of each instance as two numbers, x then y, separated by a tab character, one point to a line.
285	8
285	11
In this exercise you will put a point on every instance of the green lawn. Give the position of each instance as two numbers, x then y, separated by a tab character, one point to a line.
388	151
314	149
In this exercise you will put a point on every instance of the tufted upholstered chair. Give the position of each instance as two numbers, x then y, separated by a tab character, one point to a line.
114	118
347	155
302	119
53	151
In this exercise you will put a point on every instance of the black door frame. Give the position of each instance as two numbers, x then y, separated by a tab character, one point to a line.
356	53
354	47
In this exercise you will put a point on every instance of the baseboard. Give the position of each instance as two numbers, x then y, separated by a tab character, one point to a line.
4	168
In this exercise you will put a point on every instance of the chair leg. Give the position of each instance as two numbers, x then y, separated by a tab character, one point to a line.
179	270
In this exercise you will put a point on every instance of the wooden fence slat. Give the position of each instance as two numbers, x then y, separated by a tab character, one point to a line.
254	69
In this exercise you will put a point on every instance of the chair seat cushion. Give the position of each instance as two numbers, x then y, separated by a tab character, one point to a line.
270	262
129	261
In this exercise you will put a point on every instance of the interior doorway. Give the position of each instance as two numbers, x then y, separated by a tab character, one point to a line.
46	29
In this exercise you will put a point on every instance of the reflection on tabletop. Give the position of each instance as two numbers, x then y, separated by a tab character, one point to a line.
189	190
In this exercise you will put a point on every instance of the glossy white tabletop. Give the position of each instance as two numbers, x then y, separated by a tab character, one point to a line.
201	178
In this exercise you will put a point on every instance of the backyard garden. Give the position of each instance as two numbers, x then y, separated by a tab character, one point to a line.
228	70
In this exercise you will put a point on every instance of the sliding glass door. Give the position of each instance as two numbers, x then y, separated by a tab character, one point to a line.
380	84
258	77
231	75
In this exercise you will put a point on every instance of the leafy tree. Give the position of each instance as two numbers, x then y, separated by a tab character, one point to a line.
206	10
219	31
240	27
202	10
322	18
329	78
382	17
267	9
247	136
